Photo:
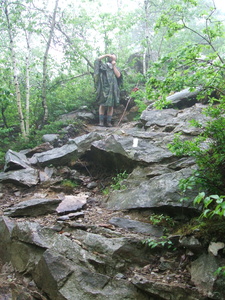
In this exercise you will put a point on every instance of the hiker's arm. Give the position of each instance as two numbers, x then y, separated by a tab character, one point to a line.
115	70
103	56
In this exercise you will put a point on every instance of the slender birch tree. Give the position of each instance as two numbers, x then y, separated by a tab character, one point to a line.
28	37
10	31
45	64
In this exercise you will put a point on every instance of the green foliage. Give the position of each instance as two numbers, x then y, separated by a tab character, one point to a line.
117	181
161	220
213	205
68	94
57	127
6	136
2	158
208	149
69	183
163	242
106	191
132	81
220	271
206	229
186	184
139	97
196	61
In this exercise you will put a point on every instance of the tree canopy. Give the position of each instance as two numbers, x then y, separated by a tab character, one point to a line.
48	49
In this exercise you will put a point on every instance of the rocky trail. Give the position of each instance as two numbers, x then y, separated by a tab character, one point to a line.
93	218
133	270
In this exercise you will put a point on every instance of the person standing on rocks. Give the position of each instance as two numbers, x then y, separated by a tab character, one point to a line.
108	79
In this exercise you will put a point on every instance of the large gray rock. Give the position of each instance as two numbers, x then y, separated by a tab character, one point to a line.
40	148
184	98
137	226
82	114
72	203
6	227
119	152
62	267
166	291
56	157
64	280
100	287
118	252
50	138
33	207
172	120
64	155
161	118
15	161
158	192
25	177
34	234
204	277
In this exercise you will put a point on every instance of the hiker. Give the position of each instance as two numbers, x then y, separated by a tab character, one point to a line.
108	79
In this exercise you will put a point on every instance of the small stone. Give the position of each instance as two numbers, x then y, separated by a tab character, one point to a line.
17	194
67	234
215	247
120	276
92	185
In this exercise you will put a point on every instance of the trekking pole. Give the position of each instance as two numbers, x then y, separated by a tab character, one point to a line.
133	90
124	111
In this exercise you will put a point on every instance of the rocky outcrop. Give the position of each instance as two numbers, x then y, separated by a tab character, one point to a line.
65	255
84	264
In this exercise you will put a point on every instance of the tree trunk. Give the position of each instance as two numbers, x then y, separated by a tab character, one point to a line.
147	38
45	61
27	122
15	72
144	62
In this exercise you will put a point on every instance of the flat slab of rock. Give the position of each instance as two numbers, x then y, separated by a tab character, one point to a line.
72	203
33	207
25	177
166	291
137	226
15	161
71	216
158	192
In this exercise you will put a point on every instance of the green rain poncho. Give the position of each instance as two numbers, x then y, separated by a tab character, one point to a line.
107	84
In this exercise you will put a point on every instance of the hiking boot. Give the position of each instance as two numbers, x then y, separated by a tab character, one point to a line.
101	123
109	119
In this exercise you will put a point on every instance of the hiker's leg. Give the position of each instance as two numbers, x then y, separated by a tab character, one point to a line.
109	116
101	115
110	111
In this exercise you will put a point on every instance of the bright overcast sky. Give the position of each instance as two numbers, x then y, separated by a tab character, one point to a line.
220	5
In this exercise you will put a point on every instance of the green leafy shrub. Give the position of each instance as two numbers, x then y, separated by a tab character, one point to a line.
117	181
208	149
69	183
161	220
106	191
139	97
35	137
163	242
213	205
220	271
